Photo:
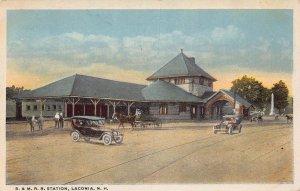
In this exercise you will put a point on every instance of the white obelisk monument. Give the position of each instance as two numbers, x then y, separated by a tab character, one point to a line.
272	104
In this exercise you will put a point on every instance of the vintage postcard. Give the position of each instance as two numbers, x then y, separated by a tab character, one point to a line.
149	95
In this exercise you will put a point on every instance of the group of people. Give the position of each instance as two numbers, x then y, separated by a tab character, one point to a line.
33	122
58	119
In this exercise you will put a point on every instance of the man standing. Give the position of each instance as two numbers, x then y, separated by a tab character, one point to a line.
61	120
56	120
41	122
32	123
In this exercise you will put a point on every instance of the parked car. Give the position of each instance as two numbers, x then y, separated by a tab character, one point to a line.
229	124
91	127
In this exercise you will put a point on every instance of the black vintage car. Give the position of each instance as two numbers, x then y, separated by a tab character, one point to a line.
89	127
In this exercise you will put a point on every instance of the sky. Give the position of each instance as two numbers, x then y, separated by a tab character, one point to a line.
129	45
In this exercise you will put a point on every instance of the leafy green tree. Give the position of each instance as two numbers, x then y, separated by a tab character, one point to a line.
281	93
13	91
251	90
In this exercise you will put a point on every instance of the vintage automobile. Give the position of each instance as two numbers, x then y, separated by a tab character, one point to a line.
91	127
229	124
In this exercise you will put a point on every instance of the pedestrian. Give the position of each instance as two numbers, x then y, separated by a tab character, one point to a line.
61	120
41	122
32	123
56	120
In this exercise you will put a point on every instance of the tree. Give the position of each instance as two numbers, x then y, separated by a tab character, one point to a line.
13	91
281	93
251	90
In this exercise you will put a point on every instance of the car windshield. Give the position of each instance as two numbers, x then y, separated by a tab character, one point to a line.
89	123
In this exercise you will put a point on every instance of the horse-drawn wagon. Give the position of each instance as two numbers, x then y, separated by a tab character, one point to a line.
138	120
145	121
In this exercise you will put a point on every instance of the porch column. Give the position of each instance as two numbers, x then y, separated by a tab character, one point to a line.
100	110
83	108
73	102
95	102
128	107
41	106
114	107
107	110
65	108
114	104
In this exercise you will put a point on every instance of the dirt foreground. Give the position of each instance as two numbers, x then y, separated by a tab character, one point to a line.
184	154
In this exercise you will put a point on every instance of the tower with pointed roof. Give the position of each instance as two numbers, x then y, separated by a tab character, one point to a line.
186	74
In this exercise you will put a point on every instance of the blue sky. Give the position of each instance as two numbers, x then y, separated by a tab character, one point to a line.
138	42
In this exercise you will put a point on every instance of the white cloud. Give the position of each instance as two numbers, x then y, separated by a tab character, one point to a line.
213	49
226	34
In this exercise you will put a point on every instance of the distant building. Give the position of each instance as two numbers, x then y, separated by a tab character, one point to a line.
180	90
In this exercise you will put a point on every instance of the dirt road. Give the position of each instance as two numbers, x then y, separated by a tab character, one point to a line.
260	154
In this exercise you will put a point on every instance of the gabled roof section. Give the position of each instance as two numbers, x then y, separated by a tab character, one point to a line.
58	88
87	86
208	95
238	98
181	65
164	91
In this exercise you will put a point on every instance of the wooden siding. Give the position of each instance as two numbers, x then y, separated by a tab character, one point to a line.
173	112
59	107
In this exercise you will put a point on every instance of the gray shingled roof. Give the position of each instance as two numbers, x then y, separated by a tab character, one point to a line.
208	95
164	91
87	86
58	88
181	65
238	98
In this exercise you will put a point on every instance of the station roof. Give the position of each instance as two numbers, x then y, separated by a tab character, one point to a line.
181	65
161	90
87	86
93	87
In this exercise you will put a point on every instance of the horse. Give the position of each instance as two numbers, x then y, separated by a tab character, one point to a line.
126	118
289	118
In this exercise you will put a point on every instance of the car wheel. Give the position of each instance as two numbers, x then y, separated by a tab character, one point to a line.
87	139
119	140
230	130
106	139
75	136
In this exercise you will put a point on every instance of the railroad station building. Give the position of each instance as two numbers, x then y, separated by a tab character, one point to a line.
180	90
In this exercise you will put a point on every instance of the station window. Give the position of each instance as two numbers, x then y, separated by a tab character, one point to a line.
35	107
59	108
182	107
54	107
43	107
48	108
201	81
179	80
27	107
163	109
